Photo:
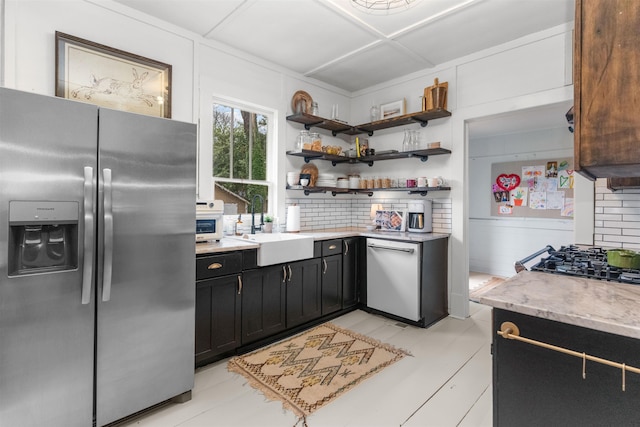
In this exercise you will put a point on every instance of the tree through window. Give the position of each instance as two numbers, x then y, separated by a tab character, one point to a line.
240	154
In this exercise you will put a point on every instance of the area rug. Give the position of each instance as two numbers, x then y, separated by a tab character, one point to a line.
309	370
491	283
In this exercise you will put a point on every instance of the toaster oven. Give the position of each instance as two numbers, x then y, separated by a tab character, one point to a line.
209	220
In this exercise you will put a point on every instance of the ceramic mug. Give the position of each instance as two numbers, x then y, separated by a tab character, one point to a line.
422	181
434	182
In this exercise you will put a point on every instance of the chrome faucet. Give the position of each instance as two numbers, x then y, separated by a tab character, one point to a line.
253	222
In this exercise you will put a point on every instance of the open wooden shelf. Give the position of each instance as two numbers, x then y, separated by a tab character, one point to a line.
337	126
423	155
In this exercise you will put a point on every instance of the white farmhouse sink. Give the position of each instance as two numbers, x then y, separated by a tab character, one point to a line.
276	248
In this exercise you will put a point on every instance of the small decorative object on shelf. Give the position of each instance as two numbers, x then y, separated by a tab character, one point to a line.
393	109
435	97
268	224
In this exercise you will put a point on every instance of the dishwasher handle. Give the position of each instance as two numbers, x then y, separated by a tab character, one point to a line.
391	248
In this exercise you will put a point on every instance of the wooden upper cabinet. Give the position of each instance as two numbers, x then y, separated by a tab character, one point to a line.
607	88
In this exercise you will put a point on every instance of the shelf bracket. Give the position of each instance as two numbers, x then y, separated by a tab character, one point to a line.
370	133
423	123
333	163
370	163
424	158
422	193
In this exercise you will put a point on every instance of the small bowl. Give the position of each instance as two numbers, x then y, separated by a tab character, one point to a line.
371	227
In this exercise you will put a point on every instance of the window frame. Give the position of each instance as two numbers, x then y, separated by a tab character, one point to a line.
206	184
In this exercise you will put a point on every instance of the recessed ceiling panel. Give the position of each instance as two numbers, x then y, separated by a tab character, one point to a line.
297	34
484	25
198	16
378	64
400	19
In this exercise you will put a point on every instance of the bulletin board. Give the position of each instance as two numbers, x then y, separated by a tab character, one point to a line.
533	188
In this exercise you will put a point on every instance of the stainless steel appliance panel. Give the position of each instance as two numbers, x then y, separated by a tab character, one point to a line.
146	293
46	332
393	277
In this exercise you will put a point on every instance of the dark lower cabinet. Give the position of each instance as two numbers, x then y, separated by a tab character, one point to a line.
331	284
303	291
263	303
535	386
350	274
218	303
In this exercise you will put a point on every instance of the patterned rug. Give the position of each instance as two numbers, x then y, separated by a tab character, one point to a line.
475	293
309	370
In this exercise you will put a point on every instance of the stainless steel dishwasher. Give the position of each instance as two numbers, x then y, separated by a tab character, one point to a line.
393	277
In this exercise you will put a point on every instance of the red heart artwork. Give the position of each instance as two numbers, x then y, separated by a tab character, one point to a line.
508	182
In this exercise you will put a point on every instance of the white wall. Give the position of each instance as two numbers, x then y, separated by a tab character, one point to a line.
495	243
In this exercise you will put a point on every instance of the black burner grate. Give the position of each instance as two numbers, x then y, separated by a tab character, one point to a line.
584	262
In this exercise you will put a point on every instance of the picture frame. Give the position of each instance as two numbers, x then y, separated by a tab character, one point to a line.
108	77
393	109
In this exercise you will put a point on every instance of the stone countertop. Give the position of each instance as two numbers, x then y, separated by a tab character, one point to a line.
596	304
227	245
224	245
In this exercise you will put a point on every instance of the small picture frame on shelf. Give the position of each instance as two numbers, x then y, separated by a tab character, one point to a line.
393	109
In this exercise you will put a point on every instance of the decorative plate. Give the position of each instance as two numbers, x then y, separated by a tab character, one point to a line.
301	96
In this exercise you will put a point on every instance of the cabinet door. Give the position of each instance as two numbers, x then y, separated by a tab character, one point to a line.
303	291
263	303
331	283
217	316
350	276
606	78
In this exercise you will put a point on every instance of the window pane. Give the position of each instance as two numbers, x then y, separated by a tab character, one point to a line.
242	195
239	143
240	153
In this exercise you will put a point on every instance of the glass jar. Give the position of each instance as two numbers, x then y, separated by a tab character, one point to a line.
303	141
316	141
374	113
314	109
406	142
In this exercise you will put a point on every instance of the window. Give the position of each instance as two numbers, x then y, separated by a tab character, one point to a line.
240	138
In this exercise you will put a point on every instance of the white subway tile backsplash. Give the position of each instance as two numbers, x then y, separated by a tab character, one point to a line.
334	212
617	217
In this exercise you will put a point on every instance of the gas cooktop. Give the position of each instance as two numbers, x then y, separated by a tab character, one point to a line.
589	262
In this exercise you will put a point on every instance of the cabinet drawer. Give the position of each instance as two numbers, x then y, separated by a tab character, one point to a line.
218	265
331	247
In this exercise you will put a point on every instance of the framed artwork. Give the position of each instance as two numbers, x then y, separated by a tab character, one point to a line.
392	109
108	77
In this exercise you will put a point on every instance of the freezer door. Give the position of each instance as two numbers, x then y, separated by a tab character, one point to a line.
146	272
46	331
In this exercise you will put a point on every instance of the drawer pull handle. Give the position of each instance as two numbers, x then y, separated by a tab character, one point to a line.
284	274
346	247
290	273
214	266
324	262
239	285
332	247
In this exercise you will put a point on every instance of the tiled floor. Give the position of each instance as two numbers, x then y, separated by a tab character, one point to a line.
446	382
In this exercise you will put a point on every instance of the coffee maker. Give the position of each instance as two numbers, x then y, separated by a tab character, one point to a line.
419	216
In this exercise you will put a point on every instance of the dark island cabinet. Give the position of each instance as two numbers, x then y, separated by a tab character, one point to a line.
535	386
263	303
303	282
351	271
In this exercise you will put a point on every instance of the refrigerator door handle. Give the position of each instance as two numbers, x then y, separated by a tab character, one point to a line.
89	235
108	235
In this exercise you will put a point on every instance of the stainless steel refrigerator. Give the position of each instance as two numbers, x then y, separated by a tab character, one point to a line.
97	261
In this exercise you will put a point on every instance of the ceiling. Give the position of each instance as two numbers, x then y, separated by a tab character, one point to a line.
331	41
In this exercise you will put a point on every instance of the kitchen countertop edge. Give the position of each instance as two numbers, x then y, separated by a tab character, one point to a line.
595	304
228	245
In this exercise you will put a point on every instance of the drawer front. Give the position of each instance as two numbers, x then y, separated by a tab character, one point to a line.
218	265
331	247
